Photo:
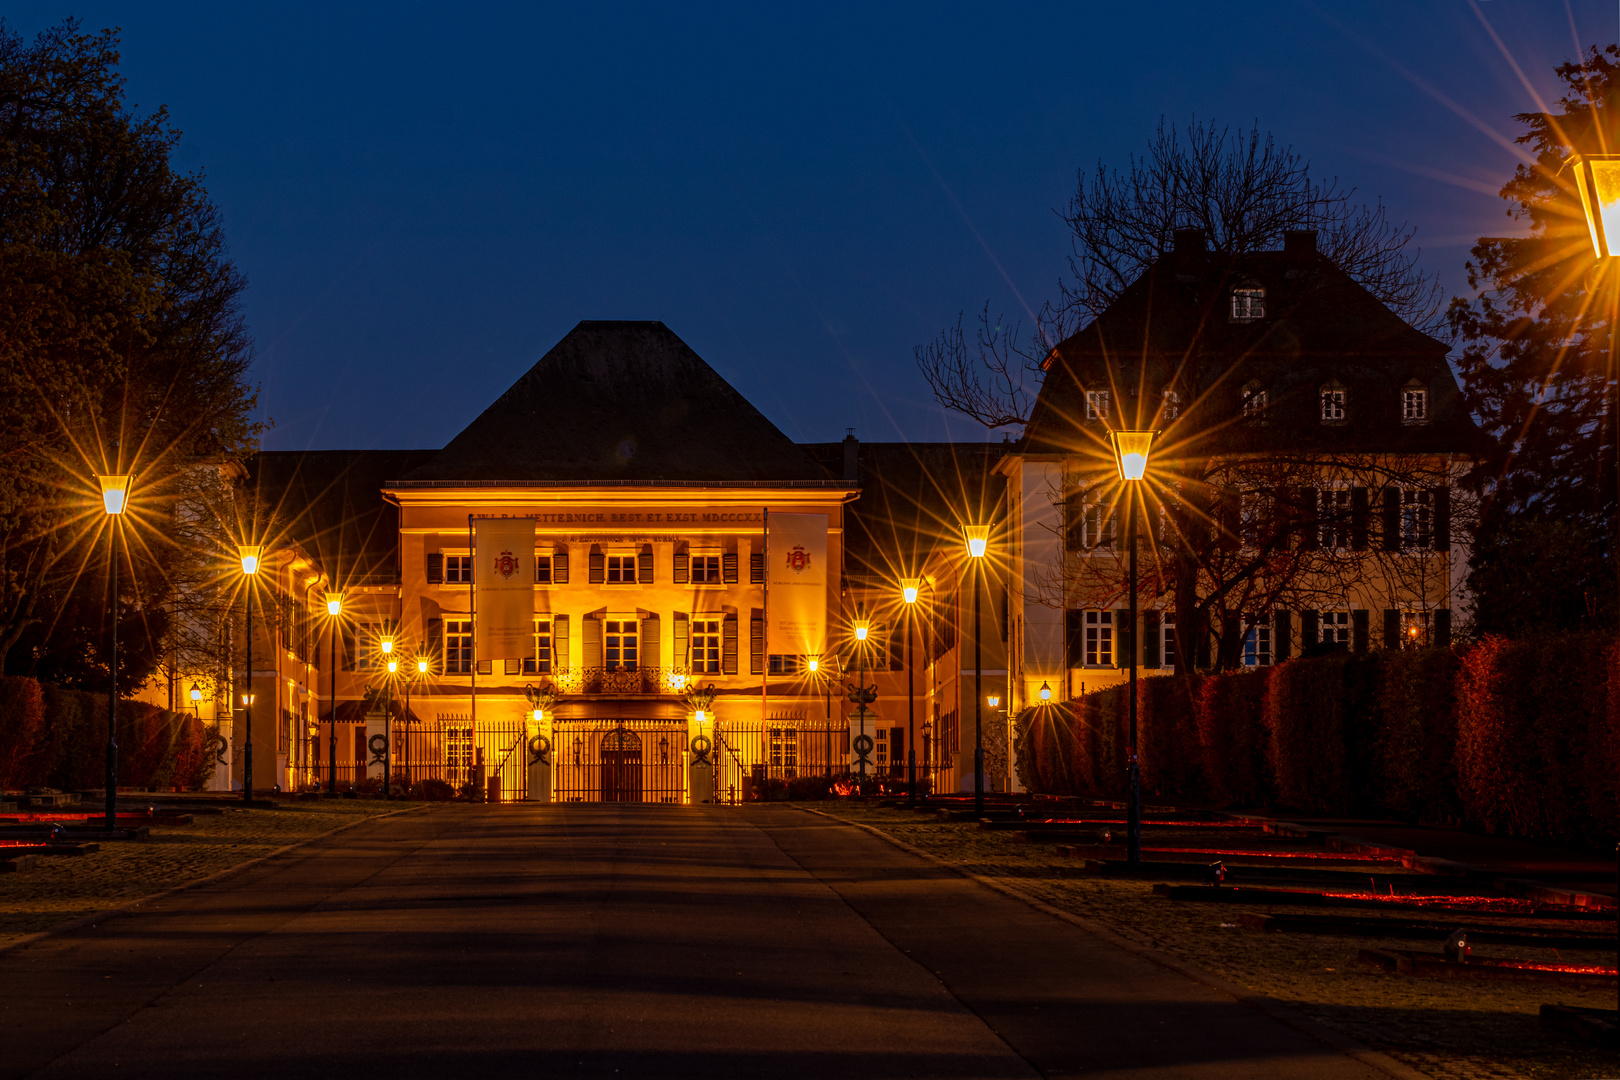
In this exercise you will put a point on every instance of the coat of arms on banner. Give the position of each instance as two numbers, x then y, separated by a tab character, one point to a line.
798	560
506	564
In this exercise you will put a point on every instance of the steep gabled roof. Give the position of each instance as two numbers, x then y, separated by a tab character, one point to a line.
1320	327
620	402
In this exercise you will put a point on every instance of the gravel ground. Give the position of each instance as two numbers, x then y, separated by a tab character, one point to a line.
65	887
1441	1027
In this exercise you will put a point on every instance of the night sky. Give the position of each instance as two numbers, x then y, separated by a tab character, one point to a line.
425	199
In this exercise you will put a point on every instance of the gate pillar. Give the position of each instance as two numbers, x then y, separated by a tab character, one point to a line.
537	751
700	771
862	726
376	746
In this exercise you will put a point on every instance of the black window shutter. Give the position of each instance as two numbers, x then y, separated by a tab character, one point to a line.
559	567
1282	635
683	641
1442	519
598	566
644	566
1392	629
756	645
1310	525
683	568
728	644
1124	638
435	642
435	568
1310	629
1074	635
1392	518
728	568
1440	637
1074	522
1152	639
756	568
1359	513
1360	630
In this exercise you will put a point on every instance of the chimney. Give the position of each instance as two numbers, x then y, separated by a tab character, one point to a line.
852	457
1299	242
1190	240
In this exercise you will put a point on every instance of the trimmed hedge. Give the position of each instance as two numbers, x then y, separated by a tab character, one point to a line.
51	737
1515	737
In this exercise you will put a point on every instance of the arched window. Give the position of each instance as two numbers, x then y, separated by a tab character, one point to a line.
1414	403
1254	403
1334	409
1248	301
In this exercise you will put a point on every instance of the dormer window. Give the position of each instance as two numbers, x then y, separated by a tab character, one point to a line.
1248	302
1333	403
1254	403
1096	404
1415	403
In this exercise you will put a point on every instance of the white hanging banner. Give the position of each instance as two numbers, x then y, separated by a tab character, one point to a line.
503	575
796	584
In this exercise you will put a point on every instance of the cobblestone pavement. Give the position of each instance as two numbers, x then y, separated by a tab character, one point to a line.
1461	1029
62	888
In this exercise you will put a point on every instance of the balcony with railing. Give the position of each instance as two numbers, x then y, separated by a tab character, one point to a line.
621	680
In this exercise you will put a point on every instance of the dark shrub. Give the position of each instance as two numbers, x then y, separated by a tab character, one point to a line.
1232	738
432	790
22	730
1417	736
1167	725
1305	716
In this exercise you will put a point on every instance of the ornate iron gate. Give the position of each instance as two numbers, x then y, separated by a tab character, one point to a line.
619	761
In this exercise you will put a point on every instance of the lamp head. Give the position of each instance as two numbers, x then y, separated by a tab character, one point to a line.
909	588
196	692
814	664
862	628
421	665
114	492
539	716
387	645
1131	450
700	716
393	666
1046	692
251	555
247	699
1598	178
978	539
334	603
994	701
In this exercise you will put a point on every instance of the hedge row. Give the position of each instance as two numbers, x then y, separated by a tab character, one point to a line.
50	737
1515	737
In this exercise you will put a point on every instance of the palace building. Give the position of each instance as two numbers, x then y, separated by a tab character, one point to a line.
649	487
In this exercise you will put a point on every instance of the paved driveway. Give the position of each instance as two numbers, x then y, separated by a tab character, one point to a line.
614	940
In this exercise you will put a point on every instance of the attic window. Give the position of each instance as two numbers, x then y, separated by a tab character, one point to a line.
1096	404
1415	403
1254	403
1333	403
1248	302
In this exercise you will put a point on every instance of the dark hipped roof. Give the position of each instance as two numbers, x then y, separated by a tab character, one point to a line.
914	497
619	402
329	502
1320	326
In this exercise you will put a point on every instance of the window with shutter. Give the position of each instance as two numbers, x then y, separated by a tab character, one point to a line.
756	645
681	654
1360	518
559	566
1360	630
728	645
1151	640
683	565
1282	635
1309	631
592	641
1442	518
435	568
644	565
542	569
756	568
598	566
1074	637
652	640
728	568
559	641
1392	629
707	646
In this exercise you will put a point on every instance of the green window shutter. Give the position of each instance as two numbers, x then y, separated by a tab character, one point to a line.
682	655
683	568
1310	629
1392	629
1442	519
1282	635
728	645
592	642
1392	518
652	640
559	642
644	566
728	568
435	568
756	568
1360	630
559	566
756	645
1152	639
598	566
1359	514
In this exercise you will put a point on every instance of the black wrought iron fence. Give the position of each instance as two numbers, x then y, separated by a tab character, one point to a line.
619	761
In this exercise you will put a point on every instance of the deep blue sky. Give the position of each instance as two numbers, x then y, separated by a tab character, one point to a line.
424	199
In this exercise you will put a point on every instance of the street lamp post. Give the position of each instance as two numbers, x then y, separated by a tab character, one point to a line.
1598	177
388	714
334	608
909	588
978	542
114	498
1131	450
250	556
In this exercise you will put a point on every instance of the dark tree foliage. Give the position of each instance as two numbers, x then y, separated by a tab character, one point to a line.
122	349
1538	368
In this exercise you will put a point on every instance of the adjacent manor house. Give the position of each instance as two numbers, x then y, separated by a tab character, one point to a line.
1301	494
642	488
